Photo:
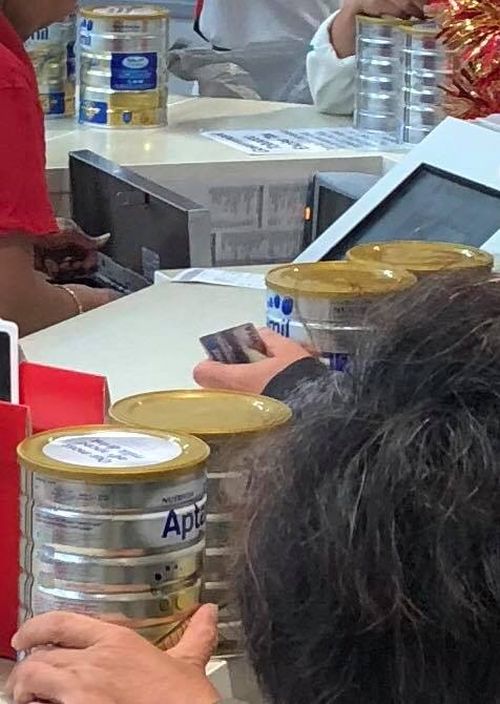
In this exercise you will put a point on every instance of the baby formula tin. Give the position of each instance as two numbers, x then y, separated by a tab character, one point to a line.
427	67
113	525
424	258
325	304
223	419
378	74
123	66
52	52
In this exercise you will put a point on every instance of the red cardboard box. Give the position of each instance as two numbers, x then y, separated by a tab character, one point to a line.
50	398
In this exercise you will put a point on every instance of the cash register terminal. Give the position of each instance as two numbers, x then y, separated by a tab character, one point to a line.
446	189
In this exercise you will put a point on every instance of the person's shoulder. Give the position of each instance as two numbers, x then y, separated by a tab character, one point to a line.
13	72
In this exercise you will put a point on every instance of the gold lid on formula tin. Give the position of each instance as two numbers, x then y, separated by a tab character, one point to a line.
117	12
203	412
421	28
105	454
387	20
341	279
422	258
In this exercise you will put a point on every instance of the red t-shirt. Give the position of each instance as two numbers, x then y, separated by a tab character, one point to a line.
24	200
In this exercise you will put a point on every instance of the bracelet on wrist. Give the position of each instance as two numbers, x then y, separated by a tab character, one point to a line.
74	297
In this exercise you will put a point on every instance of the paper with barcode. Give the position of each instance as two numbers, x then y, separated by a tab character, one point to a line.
301	141
220	277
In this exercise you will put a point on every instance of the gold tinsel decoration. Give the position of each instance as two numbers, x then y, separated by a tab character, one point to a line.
471	28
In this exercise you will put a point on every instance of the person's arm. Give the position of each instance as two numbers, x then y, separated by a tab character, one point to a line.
28	299
26	215
331	77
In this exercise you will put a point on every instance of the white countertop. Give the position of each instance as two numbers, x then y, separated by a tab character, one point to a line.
180	142
147	341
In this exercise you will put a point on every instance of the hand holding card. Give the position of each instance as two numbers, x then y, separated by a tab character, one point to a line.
253	377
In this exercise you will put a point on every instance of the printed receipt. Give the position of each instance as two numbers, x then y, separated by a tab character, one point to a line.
303	141
220	277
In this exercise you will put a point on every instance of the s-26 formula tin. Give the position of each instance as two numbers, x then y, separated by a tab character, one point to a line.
123	66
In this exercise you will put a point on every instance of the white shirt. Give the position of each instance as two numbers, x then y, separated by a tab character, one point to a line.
331	80
232	24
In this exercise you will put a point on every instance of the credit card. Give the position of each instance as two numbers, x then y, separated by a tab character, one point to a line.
239	345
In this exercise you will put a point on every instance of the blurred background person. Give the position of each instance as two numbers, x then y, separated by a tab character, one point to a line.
254	50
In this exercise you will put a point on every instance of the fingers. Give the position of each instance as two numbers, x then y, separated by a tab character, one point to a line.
216	375
278	346
200	639
31	681
60	628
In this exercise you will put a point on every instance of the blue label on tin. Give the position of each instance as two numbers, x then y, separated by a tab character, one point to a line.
93	111
54	104
337	361
134	71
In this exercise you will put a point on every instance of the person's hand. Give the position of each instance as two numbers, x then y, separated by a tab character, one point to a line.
80	660
403	9
70	252
252	377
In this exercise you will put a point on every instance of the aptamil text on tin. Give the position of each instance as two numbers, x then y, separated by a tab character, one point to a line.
325	304
123	66
113	525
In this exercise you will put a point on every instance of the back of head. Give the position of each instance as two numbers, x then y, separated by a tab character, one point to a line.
371	569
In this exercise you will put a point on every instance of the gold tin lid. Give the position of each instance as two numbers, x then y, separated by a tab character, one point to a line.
202	412
421	28
422	257
105	454
339	279
121	12
387	20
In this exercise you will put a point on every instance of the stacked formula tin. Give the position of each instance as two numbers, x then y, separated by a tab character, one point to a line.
230	423
123	66
52	51
401	67
378	78
427	66
112	525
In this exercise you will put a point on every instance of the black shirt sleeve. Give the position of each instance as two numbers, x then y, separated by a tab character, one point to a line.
286	382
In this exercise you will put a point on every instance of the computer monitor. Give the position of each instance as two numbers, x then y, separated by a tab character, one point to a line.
151	226
447	189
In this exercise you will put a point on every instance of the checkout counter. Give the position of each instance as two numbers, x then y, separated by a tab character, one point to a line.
149	341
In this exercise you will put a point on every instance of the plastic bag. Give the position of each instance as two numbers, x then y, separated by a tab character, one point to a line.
261	71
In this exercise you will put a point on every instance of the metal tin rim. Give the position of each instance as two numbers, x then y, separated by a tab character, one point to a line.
318	280
420	30
453	256
386	20
32	457
122	412
95	12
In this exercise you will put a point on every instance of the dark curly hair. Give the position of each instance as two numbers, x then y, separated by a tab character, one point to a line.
371	565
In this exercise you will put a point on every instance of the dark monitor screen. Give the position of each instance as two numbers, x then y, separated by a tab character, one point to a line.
5	371
429	205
